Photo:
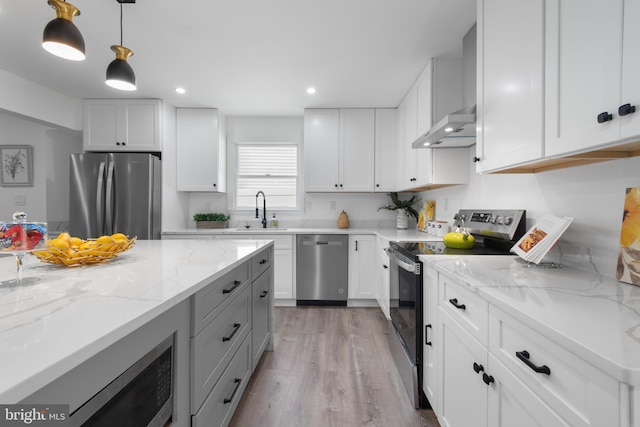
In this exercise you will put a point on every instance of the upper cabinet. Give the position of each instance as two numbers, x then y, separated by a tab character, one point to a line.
509	109
339	150
385	149
122	125
437	92
557	83
201	150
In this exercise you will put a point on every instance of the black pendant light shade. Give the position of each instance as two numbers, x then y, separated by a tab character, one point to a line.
61	37
120	75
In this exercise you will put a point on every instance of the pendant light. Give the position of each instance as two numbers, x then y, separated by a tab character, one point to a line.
120	75
61	37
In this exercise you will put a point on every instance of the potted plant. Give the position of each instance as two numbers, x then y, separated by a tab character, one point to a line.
211	220
404	209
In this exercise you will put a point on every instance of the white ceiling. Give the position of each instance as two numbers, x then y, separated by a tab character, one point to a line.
246	57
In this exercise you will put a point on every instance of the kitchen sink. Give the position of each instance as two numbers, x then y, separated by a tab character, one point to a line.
258	230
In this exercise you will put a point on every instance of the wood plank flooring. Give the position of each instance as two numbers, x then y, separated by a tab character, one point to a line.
331	366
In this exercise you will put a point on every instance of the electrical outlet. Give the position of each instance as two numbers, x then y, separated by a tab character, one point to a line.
332	205
19	200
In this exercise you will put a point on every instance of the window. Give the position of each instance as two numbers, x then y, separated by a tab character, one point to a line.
271	168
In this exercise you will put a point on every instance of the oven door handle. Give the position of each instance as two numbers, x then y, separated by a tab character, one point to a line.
410	267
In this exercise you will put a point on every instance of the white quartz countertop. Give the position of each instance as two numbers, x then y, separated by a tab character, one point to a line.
387	233
70	314
595	317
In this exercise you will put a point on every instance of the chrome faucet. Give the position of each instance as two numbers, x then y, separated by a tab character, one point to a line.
264	208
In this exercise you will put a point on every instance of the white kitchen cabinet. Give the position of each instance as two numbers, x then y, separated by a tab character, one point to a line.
630	123
383	275
386	142
200	150
122	125
362	255
510	109
339	150
430	361
437	92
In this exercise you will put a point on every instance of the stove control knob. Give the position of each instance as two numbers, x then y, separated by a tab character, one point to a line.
508	220
493	219
499	219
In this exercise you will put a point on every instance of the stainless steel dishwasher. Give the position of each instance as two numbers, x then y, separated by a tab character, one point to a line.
321	269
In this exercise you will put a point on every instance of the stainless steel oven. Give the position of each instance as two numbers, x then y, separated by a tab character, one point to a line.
142	396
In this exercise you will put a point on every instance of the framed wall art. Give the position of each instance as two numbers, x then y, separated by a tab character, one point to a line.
17	165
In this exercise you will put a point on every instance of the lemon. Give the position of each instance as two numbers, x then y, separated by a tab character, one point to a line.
75	242
64	236
119	237
58	243
105	240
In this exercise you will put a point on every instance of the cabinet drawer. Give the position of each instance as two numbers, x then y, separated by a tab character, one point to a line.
465	306
576	390
260	262
213	348
207	303
221	403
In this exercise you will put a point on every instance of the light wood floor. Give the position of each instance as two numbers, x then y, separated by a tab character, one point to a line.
331	366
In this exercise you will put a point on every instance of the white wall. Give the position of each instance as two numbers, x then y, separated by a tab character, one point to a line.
592	194
48	199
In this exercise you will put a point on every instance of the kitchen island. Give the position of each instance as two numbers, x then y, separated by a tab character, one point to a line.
56	330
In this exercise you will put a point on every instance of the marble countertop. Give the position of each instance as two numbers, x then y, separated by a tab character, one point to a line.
387	233
595	317
70	314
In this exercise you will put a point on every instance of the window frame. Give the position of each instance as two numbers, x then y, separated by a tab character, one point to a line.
233	179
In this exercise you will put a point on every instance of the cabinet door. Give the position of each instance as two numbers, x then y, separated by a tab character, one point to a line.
141	128
386	144
511	403
321	149
383	276
361	258
431	345
410	135
100	125
510	83
630	124
357	149
260	316
401	179
583	73
283	274
424	101
463	393
199	152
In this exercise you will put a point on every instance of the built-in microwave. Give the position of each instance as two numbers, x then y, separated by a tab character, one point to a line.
141	396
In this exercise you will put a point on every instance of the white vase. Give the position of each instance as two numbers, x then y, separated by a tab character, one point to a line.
402	222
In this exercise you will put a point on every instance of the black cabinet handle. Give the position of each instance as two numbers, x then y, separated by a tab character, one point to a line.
378	185
215	185
454	301
340	185
604	117
476	159
488	379
263	261
426	334
356	245
385	266
524	356
335	185
625	109
264	294
236	283
477	368
235	389
236	327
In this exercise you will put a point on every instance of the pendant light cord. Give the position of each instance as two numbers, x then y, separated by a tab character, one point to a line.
121	24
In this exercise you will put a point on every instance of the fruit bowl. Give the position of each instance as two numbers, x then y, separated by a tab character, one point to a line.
73	251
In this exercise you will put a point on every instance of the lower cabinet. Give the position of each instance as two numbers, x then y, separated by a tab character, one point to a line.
362	255
496	371
431	345
383	275
231	327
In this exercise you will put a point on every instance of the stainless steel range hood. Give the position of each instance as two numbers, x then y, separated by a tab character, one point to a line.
457	129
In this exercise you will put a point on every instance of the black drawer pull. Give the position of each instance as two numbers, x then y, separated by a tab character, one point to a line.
236	327
236	283
625	109
264	294
426	334
454	301
263	261
488	379
524	356
385	266
477	368
604	117
235	389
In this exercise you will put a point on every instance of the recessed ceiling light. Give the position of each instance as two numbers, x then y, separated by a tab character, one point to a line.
180	90
449	129
311	90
